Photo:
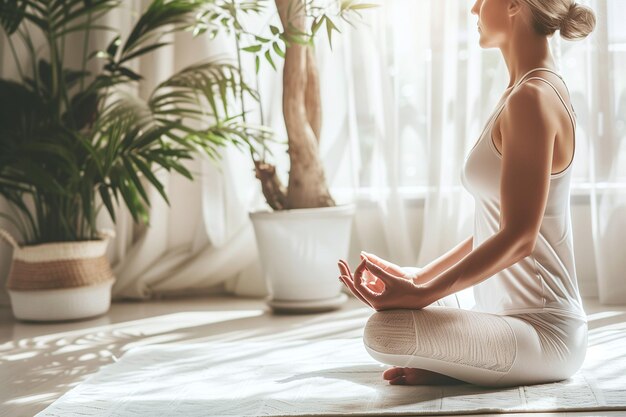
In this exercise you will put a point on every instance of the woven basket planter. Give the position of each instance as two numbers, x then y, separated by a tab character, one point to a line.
60	281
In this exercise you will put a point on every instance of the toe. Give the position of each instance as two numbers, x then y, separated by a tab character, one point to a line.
398	381
414	377
393	372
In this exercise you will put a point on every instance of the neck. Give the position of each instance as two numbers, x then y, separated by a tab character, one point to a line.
526	51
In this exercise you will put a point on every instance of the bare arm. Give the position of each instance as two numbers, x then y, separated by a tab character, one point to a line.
445	261
495	254
528	130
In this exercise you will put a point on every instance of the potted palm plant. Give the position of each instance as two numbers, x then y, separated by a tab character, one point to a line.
303	232
73	142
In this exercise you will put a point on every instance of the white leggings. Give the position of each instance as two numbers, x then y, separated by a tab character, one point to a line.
479	348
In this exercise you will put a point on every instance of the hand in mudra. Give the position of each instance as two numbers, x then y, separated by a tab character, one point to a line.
381	284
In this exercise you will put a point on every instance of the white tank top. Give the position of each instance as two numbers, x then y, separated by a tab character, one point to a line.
546	279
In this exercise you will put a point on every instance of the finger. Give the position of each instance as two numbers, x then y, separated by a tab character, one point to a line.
345	268
369	278
385	265
341	266
358	295
348	283
358	272
371	281
388	279
360	286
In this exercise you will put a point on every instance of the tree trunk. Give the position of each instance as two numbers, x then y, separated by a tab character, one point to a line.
313	101
302	112
273	190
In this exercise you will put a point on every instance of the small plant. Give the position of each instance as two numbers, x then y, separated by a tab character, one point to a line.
294	42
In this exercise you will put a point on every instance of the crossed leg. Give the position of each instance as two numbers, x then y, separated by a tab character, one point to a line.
443	345
399	375
440	345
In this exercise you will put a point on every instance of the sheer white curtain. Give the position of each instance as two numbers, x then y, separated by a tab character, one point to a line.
606	104
425	89
404	98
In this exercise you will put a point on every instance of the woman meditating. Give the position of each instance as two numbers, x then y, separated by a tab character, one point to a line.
528	325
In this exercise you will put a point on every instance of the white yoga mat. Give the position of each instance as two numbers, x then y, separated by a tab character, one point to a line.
328	377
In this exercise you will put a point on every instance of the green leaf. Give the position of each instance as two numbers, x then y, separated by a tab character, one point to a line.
364	6
83	109
113	46
132	201
143	51
181	170
330	26
145	170
197	31
317	23
151	137
253	48
71	77
12	14
85	27
158	15
45	74
268	56
42	24
277	49
69	13
130	170
130	74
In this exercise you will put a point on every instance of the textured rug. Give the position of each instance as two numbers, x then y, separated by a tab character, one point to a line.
328	377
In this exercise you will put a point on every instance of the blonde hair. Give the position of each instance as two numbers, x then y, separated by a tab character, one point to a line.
573	20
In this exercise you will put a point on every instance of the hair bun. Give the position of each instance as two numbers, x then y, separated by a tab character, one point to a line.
579	22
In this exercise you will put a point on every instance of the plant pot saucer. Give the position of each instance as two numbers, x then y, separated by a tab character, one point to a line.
306	306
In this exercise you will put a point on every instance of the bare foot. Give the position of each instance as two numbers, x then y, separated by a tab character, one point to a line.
413	376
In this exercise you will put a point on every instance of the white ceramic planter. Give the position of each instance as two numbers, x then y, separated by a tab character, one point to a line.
299	250
62	304
59	281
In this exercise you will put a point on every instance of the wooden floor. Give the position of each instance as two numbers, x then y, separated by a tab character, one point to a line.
40	362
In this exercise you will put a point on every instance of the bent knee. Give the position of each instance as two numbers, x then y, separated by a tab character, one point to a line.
391	332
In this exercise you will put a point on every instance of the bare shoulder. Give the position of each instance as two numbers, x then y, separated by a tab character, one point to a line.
532	96
531	106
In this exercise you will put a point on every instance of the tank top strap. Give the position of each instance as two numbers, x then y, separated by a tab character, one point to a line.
521	80
500	108
569	95
567	108
523	77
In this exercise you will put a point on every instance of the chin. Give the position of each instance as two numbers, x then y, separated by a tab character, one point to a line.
485	44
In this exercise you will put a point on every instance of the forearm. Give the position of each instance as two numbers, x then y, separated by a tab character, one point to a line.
492	256
445	261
